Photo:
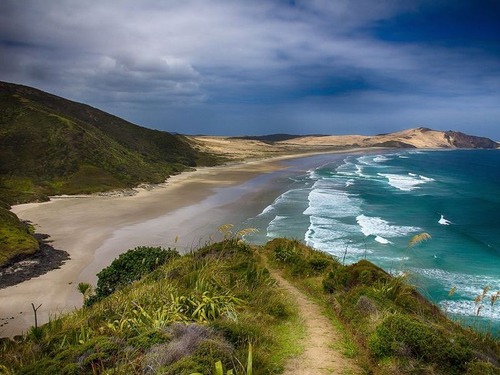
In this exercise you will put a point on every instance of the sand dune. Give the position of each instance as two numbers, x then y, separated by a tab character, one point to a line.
239	148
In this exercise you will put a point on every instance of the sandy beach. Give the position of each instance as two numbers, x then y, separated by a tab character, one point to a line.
183	213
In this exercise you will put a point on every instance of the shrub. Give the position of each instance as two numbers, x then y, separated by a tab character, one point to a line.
239	333
131	266
284	253
302	259
360	273
366	306
318	263
147	339
406	336
43	366
256	276
482	368
101	351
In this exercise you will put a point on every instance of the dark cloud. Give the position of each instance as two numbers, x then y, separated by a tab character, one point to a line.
248	67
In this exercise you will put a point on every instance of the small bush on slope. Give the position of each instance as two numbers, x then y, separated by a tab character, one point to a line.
131	266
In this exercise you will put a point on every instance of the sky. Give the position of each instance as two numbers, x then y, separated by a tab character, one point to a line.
251	67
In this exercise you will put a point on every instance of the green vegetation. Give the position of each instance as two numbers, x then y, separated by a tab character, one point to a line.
395	329
182	318
162	313
50	145
16	239
131	266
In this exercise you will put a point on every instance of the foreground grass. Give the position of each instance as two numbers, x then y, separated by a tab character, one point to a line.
180	319
208	306
388	326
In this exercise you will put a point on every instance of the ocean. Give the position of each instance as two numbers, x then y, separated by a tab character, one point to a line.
368	206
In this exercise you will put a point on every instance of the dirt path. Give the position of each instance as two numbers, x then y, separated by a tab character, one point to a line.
318	357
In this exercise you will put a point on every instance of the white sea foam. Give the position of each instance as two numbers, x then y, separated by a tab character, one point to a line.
382	240
468	287
347	169
284	213
469	308
466	284
329	183
376	226
366	160
444	221
381	159
407	182
391	259
332	203
339	246
276	226
359	171
266	210
290	197
333	236
313	174
347	174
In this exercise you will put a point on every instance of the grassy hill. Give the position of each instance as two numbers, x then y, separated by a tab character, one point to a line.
50	145
183	314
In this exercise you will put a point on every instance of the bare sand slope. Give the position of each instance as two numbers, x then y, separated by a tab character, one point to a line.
419	138
240	148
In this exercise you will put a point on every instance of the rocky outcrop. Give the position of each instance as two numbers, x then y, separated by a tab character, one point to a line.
461	140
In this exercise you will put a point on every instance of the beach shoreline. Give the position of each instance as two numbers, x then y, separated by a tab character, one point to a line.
183	213
81	225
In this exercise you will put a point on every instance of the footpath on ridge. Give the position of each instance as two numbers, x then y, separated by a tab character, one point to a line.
319	356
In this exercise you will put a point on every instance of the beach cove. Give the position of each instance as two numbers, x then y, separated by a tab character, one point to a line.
348	204
183	213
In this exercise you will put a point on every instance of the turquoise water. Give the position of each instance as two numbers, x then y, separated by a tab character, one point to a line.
370	206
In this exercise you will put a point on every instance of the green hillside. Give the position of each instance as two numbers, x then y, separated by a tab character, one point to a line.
155	312
15	237
50	145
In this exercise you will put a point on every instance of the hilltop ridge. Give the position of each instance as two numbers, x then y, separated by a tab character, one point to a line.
279	144
420	137
50	145
282	307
